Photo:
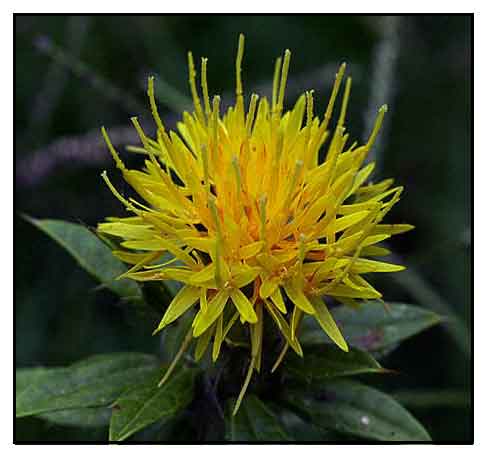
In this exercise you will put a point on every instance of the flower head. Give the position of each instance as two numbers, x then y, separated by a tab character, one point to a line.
264	212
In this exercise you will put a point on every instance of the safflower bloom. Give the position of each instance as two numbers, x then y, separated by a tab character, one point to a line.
252	210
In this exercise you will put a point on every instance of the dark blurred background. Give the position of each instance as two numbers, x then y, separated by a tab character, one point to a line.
76	73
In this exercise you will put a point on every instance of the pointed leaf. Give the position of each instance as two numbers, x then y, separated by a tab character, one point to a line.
183	300
95	381
297	296
358	410
82	417
253	422
98	416
278	301
329	361
302	430
146	403
91	253
327	323
243	305
361	266
215	308
268	286
373	327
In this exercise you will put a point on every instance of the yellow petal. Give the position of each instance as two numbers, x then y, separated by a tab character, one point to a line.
130	257
328	324
182	301
177	274
204	275
251	250
343	290
215	307
349	220
367	266
374	251
269	286
297	296
127	231
243	305
200	243
276	298
244	275
391	229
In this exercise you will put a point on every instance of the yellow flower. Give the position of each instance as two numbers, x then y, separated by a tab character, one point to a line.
254	206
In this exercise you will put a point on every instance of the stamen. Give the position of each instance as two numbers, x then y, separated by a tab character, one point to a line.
309	120
275	83
309	108
115	192
216	116
334	93
239	108
192	84
377	125
214	127
238	65
282	86
153	105
251	114
140	132
148	148
116	157
346	95
204	87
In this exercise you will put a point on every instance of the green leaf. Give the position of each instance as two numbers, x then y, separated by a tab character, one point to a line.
147	403
355	409
253	422
329	361
84	417
373	327
95	381
301	430
91	253
80	417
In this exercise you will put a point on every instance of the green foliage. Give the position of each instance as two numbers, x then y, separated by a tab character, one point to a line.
355	409
375	326
121	390
329	361
97	416
302	430
95	381
253	422
91	253
147	403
